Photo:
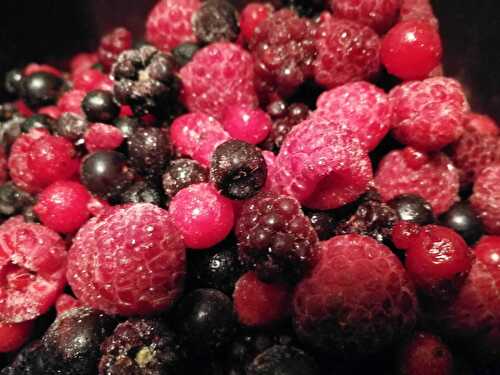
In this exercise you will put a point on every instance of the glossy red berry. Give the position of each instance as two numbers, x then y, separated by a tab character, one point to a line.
487	250
14	335
247	124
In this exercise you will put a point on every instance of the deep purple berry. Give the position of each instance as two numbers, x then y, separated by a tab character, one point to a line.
181	173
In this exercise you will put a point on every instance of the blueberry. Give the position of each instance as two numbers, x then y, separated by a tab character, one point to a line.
462	219
412	208
41	89
100	106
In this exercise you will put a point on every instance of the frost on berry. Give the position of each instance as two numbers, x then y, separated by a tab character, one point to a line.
485	199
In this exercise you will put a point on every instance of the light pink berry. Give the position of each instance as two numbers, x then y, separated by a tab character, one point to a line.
247	124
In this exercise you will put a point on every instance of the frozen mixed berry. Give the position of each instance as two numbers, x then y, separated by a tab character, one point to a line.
428	115
260	304
412	208
482	124
83	61
275	238
285	360
13	82
141	347
144	80
283	49
219	75
38	121
71	101
32	269
112	44
102	137
184	53
433	177
238	169
128	261
35	68
100	106
181	173
421	10
14	335
411	50
425	354
215	21
71	126
170	23
463	220
143	192
323	223
246	124
66	302
347	52
51	110
13	200
486	197
305	8
203	216
252	16
40	89
205	321
127	125
8	111
404	234
10	131
26	362
487	250
91	79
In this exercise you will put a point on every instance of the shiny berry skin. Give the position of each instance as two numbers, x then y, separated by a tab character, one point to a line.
203	216
252	16
13	82
102	137
112	44
100	106
181	173
14	335
238	169
143	192
412	208
411	50
246	124
283	359
438	261
40	89
487	250
215	21
259	304
127	125
484	199
404	233
462	219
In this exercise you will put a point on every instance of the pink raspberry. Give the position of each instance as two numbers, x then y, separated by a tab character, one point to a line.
128	261
82	61
100	137
66	302
63	206
259	304
252	16
197	135
169	23
406	171
247	124
112	44
485	199
481	124
361	107
14	335
71	101
418	10
321	166
380	15
428	115
347	52
32	270
203	216
219	75
357	301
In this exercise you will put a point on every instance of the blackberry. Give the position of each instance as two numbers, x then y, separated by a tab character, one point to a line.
7	111
181	173
283	359
71	126
141	347
275	238
143	192
13	200
13	82
215	21
38	121
323	223
462	219
413	208
100	106
238	169
41	89
184	52
145	80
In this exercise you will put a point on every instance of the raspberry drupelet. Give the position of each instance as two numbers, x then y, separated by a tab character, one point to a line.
102	137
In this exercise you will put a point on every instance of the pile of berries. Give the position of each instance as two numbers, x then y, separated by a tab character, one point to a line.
237	196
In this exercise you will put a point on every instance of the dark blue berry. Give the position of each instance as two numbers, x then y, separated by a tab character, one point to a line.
412	208
13	80
100	106
143	192
462	219
41	89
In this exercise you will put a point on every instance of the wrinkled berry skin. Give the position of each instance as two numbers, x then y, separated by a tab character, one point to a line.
215	21
412	208
41	89
281	359
462	219
100	106
181	173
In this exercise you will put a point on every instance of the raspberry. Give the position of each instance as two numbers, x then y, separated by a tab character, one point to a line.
14	335
203	216
486	197
197	136
411	50
62	206
112	44
360	107
357	301
275	238
434	178
82	61
88	80
65	302
347	52
481	124
246	124
428	115
169	23
71	101
259	304
321	166
32	267
219	76
180	174
128	261
102	137
216	20
51	111
3	167
252	16
281	359
418	10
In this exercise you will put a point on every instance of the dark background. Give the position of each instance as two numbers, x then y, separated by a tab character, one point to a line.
49	30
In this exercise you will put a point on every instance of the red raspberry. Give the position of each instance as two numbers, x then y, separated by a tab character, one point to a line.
259	304
35	68
101	137
219	75
14	335
88	80
252	16
411	50
82	61
169	23
434	178
128	261
361	107
51	111
357	301
418	10
197	136
71	101
380	15
321	166
347	52
112	44
66	302
481	124
203	216
486	198
247	124
428	115
32	268
63	206
284	51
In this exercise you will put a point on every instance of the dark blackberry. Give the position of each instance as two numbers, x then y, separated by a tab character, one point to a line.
40	89
7	111
10	130
26	362
13	200
413	208
112	44
205	321
283	359
127	125
323	223
275	238
216	20
306	8
141	347
13	82
145	80
143	192
184	52
238	169
38	121
462	219
181	173
149	151
71	126
100	106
